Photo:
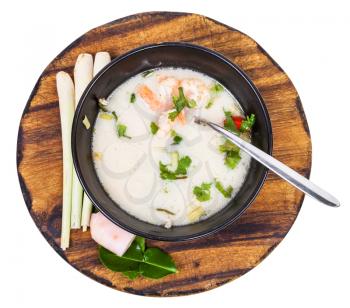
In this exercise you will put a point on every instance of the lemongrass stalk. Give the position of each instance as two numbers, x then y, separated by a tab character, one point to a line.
65	91
82	76
101	60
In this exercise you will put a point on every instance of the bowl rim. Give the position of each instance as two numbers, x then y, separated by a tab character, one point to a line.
120	223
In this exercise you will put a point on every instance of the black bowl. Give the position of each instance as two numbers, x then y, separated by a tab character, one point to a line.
174	55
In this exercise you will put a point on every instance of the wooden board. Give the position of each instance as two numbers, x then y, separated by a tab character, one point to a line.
205	263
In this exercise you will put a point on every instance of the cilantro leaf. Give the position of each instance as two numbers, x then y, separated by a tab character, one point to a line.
202	192
180	102
228	146
225	192
165	173
209	103
121	129
232	156
179	173
232	159
183	165
216	88
248	123
154	128
176	138
172	115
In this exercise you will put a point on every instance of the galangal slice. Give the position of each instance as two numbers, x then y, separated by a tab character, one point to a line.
109	235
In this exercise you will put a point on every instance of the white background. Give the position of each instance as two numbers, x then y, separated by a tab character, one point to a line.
310	40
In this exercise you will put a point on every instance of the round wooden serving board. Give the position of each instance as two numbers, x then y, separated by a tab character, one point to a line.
204	263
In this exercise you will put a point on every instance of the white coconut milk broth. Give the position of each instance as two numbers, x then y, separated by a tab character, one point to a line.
128	169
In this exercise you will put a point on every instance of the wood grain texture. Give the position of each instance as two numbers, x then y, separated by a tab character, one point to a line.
204	263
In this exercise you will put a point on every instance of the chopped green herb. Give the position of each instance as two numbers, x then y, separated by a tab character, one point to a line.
172	115
228	146
232	156
210	103
180	102
176	138
229	124
191	103
139	261
248	123
179	173
115	116
121	129
154	128
132	98
232	159
166	174
225	192
165	211
216	88
147	73
202	192
183	165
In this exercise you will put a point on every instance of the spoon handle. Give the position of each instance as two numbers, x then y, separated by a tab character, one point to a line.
279	168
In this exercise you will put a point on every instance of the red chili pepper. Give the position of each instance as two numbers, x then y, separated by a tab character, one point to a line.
238	121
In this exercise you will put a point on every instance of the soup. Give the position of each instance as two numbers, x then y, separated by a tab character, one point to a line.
154	161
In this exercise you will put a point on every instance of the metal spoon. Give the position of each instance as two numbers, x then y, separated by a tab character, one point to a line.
276	166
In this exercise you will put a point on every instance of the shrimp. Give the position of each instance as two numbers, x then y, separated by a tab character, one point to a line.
181	118
169	87
196	89
166	125
151	98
